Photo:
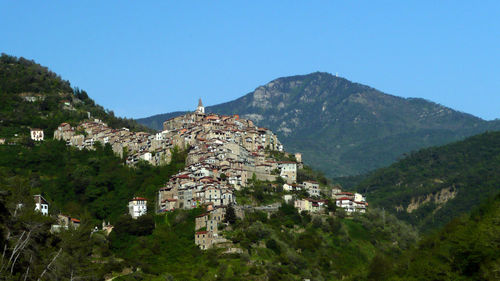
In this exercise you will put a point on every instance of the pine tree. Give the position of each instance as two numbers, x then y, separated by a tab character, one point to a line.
230	215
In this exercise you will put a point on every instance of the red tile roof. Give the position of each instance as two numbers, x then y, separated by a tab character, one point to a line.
345	193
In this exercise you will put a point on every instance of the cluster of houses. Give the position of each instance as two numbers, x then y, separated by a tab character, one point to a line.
350	202
63	222
224	154
155	149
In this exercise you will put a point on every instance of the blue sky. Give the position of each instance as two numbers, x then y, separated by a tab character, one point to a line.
140	58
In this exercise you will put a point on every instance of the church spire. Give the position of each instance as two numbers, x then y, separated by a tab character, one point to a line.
201	108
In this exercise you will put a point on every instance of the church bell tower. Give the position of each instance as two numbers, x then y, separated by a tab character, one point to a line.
200	108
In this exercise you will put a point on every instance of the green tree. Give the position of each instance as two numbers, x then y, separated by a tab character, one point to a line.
230	215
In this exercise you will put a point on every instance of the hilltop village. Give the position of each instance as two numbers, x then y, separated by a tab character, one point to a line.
225	154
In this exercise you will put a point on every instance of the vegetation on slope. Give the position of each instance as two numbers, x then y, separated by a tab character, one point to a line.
31	252
96	186
285	246
87	184
439	183
21	78
467	248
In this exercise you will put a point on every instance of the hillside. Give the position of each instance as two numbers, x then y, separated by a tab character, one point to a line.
34	97
94	185
430	187
468	248
345	128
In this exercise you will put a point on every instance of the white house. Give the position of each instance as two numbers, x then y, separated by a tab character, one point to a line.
137	207
360	206
312	188
288	198
291	187
288	171
146	156
37	134
346	203
203	172
41	205
359	198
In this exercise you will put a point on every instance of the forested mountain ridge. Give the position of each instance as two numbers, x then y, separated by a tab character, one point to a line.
345	128
34	97
430	187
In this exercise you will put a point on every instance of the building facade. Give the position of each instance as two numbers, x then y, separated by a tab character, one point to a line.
137	207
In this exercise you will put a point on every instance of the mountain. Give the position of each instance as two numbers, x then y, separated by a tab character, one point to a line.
34	97
430	187
345	128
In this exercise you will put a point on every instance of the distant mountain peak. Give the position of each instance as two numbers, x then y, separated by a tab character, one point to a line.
346	128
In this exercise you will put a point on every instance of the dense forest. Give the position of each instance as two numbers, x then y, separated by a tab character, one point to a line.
93	186
440	182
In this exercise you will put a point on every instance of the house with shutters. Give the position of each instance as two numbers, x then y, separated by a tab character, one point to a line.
204	239
312	188
288	171
41	205
137	207
36	134
310	205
